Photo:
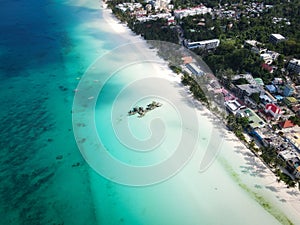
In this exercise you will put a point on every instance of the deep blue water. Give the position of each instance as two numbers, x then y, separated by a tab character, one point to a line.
43	177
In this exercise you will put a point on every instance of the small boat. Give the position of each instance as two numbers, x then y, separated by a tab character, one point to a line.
141	111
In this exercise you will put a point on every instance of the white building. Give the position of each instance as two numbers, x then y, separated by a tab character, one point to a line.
276	38
233	106
208	44
201	9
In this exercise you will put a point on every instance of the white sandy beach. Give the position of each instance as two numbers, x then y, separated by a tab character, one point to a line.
189	197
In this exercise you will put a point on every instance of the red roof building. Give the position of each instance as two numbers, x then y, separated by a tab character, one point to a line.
274	110
267	67
287	124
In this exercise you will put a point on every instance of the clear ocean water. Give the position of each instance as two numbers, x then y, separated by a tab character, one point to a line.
45	48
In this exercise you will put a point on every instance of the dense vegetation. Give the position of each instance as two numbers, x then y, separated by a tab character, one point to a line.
240	60
295	120
150	30
194	88
156	30
237	125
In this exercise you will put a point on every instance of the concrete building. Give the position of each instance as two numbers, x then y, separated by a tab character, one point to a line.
248	89
194	69
288	91
233	106
276	38
198	10
208	44
292	160
254	120
294	65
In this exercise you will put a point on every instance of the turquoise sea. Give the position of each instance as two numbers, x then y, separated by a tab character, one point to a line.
46	47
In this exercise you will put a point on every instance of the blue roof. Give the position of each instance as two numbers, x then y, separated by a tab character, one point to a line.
278	97
271	88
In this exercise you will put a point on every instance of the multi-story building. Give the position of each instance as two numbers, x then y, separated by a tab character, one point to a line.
276	38
294	65
208	44
274	110
288	90
201	9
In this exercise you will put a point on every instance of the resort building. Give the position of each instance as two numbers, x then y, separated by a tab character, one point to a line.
233	106
198	10
129	6
294	65
264	135
254	120
273	110
194	69
248	89
208	44
292	160
276	38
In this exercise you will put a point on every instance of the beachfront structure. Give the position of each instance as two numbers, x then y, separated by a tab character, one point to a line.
194	69
167	16
254	120
292	161
273	110
233	106
201	9
276	38
294	65
129	6
208	44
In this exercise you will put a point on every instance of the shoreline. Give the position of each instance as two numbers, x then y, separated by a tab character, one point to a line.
282	192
